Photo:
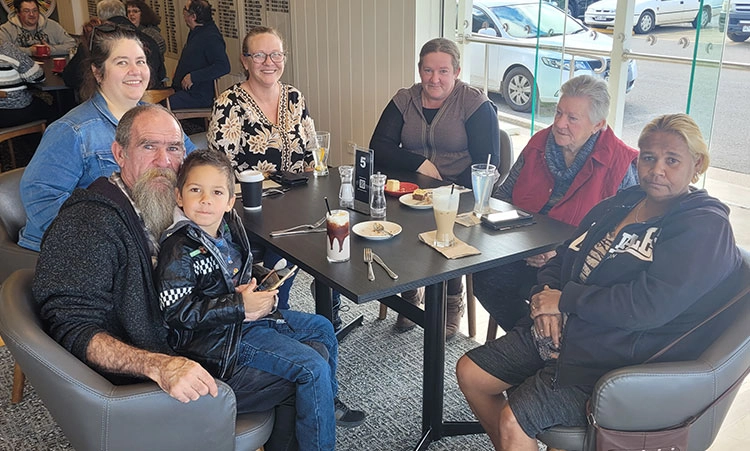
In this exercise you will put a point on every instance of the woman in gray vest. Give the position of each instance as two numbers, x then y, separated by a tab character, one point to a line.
439	128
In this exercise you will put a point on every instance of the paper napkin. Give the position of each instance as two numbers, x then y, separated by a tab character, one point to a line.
458	250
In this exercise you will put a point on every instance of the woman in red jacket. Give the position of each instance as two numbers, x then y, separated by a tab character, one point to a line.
562	172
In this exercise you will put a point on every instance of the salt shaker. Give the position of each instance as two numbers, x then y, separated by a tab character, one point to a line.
377	196
346	192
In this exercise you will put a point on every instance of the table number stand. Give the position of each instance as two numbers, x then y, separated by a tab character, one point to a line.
364	161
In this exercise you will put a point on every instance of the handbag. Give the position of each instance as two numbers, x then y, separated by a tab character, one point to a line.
674	438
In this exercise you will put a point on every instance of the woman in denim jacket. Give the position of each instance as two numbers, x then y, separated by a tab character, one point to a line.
76	149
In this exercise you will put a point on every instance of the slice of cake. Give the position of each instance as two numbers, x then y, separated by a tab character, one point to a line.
392	185
420	194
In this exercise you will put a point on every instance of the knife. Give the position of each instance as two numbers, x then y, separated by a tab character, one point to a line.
380	262
297	232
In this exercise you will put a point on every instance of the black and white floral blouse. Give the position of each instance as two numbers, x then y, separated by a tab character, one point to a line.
241	130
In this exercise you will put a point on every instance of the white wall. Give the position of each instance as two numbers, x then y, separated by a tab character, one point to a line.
351	56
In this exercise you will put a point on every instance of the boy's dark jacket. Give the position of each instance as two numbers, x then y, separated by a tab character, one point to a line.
202	312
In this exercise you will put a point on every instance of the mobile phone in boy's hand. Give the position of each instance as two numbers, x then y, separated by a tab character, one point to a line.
270	285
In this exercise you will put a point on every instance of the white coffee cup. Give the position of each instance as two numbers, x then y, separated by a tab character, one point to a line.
251	184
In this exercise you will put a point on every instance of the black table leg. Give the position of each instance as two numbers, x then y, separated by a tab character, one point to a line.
434	364
324	306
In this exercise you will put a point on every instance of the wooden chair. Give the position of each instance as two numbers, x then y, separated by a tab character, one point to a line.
506	161
157	95
8	133
195	113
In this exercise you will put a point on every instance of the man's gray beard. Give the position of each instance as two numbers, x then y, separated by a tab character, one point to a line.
153	195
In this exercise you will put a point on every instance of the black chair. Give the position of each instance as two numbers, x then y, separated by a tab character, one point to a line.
506	161
660	395
94	414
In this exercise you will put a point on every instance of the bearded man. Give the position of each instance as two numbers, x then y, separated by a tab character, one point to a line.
94	282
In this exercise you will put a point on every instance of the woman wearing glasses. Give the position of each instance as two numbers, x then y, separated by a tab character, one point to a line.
147	21
261	123
264	124
76	149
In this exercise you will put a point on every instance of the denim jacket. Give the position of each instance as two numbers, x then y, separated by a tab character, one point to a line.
75	150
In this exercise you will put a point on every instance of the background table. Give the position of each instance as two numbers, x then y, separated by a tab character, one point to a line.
416	264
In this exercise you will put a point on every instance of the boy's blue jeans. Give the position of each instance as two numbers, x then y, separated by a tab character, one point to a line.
278	347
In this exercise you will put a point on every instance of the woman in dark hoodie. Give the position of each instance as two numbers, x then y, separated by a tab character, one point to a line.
637	273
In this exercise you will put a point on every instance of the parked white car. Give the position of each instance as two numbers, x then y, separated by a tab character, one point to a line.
510	69
648	14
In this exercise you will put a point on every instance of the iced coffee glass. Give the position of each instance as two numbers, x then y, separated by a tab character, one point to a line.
445	205
337	236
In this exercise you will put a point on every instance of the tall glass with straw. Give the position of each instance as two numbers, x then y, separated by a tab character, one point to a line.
483	177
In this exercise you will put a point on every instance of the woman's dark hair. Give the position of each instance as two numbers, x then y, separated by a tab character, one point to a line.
101	40
202	10
148	16
207	157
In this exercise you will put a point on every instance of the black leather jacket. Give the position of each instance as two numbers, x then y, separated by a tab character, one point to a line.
201	310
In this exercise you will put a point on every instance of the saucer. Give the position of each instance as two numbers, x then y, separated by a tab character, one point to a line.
365	230
404	188
407	200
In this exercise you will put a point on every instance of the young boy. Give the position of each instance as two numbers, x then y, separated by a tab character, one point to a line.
204	281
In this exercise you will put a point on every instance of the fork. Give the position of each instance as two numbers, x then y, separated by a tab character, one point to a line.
368	260
301	226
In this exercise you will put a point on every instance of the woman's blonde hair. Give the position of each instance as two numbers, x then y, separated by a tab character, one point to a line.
685	127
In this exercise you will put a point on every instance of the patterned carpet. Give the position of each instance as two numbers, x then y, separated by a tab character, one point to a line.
380	371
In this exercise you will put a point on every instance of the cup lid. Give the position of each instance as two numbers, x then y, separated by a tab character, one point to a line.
250	175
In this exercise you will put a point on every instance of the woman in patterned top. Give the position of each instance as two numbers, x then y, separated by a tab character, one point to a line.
261	123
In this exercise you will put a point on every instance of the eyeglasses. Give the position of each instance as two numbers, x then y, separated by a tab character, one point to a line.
260	57
103	28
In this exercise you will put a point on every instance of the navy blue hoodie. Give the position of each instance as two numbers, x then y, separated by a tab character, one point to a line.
660	278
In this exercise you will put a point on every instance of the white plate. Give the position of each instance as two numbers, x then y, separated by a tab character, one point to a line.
409	201
365	230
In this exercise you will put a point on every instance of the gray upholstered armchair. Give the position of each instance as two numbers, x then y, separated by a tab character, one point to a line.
12	219
659	395
97	415
13	256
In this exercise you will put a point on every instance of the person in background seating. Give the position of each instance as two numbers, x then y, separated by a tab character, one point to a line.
146	20
203	59
17	105
439	128
77	148
26	27
562	172
637	273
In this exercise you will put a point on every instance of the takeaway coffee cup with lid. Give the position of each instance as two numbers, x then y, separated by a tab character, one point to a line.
251	184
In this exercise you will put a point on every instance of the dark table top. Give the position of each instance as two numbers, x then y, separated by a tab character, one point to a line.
416	263
53	81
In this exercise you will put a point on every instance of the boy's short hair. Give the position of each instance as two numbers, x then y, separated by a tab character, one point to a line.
207	157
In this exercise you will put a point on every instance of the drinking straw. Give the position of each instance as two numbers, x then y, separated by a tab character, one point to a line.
489	157
328	207
453	186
